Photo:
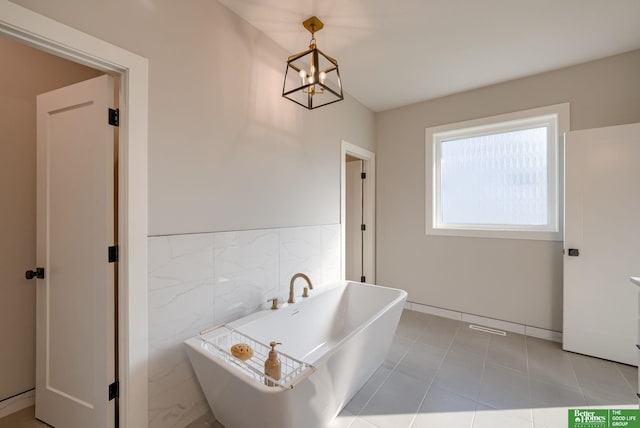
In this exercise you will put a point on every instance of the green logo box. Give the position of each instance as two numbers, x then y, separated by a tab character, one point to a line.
604	418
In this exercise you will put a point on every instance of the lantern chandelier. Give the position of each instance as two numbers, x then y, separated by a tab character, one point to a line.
312	79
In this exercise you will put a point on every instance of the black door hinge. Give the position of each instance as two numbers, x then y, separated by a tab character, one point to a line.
114	254
114	117
363	227
363	175
363	279
114	390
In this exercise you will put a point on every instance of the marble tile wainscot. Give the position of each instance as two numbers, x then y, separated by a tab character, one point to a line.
204	279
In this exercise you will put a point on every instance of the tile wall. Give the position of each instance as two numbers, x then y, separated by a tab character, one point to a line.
200	280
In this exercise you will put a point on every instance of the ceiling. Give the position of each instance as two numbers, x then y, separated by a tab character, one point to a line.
394	53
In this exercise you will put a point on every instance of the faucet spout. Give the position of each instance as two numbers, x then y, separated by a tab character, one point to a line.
293	280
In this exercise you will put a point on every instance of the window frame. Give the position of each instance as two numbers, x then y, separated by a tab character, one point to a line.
554	117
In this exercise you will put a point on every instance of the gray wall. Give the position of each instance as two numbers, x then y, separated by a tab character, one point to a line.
513	280
226	151
25	73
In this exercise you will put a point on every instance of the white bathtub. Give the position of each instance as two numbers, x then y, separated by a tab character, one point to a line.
343	332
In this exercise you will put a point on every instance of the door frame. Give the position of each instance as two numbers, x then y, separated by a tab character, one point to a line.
369	205
45	34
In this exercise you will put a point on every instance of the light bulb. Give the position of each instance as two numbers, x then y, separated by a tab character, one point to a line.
303	74
322	76
311	79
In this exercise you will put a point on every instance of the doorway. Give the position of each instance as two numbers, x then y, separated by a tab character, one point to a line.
22	24
27	73
357	213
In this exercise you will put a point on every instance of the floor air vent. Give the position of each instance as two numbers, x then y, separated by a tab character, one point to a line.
487	330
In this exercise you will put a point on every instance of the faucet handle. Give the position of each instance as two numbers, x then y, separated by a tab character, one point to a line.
274	303
305	292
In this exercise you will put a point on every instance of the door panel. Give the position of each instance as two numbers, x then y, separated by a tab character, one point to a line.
601	221
353	200
75	227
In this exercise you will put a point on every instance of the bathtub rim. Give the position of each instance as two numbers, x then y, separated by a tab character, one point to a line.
197	343
290	307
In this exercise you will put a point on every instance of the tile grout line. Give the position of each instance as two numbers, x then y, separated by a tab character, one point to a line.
526	355
484	365
633	388
575	374
424	397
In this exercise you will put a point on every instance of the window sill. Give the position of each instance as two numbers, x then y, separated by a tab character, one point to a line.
496	234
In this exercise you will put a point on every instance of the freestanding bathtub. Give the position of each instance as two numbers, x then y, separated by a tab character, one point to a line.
332	342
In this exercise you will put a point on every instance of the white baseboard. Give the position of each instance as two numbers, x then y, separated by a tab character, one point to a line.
512	327
444	313
541	333
17	403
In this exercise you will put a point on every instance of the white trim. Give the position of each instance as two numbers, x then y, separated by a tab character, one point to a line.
542	333
369	196
17	403
58	39
434	310
554	118
513	327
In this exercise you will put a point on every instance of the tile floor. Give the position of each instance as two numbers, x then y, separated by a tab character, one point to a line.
440	373
25	418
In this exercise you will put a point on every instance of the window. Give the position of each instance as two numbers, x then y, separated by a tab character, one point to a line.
497	177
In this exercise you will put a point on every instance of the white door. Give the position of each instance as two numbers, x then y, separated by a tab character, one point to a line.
354	220
75	226
602	229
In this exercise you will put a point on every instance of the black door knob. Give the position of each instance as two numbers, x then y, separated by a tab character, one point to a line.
38	273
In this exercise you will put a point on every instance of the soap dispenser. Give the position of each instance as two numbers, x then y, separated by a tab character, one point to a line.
272	366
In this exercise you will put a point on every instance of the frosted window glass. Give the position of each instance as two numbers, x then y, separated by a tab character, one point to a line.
497	179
